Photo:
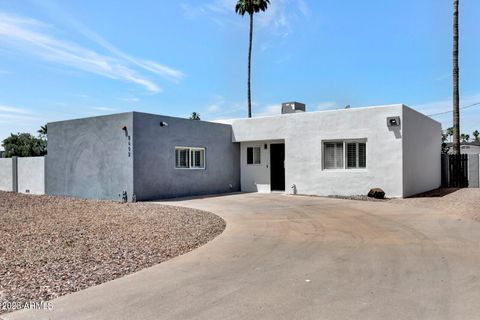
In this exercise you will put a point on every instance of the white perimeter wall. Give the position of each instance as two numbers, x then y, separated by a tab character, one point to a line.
473	171
6	175
304	133
421	153
31	175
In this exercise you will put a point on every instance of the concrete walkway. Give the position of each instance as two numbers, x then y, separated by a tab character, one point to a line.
293	257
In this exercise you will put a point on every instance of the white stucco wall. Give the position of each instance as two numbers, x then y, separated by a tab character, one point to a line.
421	153
256	177
31	175
304	134
6	176
473	170
470	149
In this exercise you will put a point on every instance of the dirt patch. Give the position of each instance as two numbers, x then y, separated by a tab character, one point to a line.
465	202
51	246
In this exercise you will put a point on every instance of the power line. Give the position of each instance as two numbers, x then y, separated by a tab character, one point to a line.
445	112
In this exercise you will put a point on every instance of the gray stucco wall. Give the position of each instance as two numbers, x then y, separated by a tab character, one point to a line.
31	175
89	158
422	148
6	175
155	175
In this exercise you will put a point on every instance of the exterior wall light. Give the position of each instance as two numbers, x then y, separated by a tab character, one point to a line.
393	121
163	124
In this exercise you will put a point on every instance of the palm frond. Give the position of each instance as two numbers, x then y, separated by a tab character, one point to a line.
251	6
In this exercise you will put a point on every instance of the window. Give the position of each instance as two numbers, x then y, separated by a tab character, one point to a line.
198	158
253	155
345	155
356	155
333	155
189	158
182	158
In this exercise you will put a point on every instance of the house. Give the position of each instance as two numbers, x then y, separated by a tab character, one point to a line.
140	156
467	147
339	152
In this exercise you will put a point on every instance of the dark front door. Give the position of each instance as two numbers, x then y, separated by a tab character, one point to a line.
277	167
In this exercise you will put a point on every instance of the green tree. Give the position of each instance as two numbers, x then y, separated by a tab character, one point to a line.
456	80
251	7
24	145
195	116
465	137
476	134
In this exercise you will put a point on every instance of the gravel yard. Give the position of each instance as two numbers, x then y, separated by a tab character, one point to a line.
465	202
358	197
51	246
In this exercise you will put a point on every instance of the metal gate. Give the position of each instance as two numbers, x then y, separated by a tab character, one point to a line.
458	171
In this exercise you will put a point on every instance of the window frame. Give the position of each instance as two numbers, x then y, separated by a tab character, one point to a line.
190	158
345	142
253	155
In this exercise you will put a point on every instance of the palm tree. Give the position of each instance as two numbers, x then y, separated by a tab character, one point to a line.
450	133
444	136
465	137
476	134
43	130
250	7
195	116
456	93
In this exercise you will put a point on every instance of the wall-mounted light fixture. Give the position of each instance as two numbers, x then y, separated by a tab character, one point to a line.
124	128
265	146
163	124
393	121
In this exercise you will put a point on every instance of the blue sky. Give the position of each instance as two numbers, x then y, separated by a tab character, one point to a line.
70	59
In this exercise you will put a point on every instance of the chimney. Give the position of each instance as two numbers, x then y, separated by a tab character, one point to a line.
292	107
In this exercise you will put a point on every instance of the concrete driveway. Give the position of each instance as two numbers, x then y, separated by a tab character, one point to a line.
293	257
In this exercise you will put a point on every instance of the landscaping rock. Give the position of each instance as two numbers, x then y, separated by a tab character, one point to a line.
376	193
357	197
51	246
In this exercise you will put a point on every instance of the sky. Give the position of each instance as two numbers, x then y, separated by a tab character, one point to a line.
72	59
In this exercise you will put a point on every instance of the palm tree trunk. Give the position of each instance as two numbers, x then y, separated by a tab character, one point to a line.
456	94
249	66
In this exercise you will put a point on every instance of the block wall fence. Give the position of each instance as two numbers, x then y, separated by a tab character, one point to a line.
24	175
